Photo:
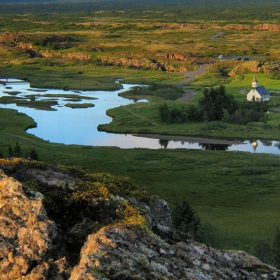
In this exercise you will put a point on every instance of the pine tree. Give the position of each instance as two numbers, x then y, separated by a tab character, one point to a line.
33	154
11	152
17	150
276	247
184	219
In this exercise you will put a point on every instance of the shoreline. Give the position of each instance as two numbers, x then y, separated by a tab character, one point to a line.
191	139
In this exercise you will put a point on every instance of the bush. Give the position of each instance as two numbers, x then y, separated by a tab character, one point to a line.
215	125
179	115
246	112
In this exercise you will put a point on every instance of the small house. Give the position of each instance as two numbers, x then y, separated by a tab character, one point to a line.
258	93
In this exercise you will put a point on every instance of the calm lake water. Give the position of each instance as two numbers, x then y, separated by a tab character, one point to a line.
79	126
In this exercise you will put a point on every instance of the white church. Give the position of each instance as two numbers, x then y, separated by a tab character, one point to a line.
258	93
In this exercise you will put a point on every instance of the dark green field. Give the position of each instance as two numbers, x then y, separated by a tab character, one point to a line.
235	194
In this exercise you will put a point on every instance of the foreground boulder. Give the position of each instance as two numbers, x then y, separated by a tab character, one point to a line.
29	240
140	244
126	252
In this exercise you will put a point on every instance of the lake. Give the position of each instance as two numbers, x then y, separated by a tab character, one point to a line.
79	126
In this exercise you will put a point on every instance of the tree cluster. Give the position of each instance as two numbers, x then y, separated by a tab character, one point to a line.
214	107
246	112
214	102
17	152
179	115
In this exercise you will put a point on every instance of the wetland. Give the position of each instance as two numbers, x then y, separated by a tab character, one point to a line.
59	121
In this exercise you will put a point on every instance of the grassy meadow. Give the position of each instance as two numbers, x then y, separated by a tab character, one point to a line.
236	194
86	46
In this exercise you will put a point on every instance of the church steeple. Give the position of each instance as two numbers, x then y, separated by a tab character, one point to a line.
254	82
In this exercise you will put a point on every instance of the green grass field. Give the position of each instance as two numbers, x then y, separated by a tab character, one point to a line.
237	193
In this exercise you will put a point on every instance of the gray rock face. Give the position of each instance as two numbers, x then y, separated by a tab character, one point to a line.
126	252
28	238
33	247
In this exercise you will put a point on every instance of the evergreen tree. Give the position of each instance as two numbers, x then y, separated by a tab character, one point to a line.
276	247
164	113
11	152
1	155
17	150
184	219
33	154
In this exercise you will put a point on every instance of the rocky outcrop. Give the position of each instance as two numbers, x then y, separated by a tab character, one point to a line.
29	240
267	27
165	64
72	55
133	62
140	245
22	41
238	26
253	66
125	252
261	27
177	56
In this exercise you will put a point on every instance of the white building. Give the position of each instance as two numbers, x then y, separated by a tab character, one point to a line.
258	93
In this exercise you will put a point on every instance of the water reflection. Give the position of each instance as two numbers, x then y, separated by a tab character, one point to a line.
79	126
267	143
277	144
221	147
163	143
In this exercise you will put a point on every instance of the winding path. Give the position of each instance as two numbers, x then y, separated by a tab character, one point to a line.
190	75
139	116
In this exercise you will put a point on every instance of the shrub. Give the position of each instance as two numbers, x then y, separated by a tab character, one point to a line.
179	115
214	125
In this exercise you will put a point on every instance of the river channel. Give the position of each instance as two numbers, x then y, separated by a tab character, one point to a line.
79	126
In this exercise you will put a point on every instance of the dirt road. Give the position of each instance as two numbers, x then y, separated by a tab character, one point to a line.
190	75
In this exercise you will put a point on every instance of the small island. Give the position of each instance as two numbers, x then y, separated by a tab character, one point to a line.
79	105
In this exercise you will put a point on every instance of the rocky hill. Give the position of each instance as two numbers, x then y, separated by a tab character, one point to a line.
65	223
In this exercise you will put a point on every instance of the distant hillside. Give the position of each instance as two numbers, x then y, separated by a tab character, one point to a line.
25	1
190	9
